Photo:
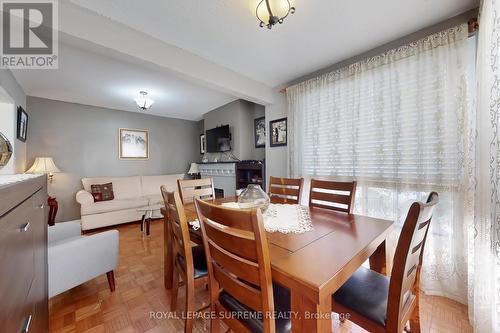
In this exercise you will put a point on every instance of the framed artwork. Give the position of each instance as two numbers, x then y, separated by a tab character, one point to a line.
133	144
22	124
202	144
278	132
260	132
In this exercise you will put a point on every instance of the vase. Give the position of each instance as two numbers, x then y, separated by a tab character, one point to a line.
254	197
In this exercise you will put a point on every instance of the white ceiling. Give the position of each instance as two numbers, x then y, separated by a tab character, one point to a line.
195	55
320	33
98	79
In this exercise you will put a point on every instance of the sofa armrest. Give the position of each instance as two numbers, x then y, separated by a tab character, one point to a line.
78	260
84	198
64	230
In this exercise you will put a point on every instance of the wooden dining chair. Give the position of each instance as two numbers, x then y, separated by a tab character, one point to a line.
285	190
240	271
332	195
189	262
200	188
379	304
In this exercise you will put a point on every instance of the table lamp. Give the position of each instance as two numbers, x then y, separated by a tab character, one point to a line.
44	165
194	171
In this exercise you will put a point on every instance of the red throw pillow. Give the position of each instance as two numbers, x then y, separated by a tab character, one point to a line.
102	192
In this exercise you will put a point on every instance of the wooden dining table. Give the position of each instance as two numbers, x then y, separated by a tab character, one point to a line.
314	264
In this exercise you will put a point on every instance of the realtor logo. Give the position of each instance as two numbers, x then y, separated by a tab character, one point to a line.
29	34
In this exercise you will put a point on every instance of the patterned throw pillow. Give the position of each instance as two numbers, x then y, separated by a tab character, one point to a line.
102	192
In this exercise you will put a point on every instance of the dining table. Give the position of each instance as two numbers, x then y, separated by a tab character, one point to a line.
313	265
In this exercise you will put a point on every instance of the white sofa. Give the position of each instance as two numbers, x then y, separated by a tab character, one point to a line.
74	259
130	193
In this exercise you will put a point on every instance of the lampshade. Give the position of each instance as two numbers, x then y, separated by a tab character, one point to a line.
43	165
193	169
271	12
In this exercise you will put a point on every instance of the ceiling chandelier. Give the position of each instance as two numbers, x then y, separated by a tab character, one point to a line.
143	102
270	12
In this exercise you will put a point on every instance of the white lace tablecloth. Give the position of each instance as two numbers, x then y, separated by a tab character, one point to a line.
284	218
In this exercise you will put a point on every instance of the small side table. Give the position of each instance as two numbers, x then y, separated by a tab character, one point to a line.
147	215
53	207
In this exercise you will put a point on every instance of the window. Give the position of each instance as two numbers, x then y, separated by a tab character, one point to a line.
398	124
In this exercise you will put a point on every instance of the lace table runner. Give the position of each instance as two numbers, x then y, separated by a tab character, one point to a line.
284	218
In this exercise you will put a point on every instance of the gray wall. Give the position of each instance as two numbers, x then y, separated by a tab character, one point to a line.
276	157
18	97
250	111
239	115
9	83
83	140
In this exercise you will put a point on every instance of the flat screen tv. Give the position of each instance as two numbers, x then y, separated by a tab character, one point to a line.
218	139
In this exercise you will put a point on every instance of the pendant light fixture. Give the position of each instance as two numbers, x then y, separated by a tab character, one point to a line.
271	12
143	102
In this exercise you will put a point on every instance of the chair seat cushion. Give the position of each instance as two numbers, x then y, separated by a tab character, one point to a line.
252	319
366	293
199	261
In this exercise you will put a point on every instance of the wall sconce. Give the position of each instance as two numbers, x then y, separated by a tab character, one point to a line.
44	165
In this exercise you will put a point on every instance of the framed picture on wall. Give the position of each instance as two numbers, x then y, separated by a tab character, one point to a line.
22	124
260	132
133	144
202	144
278	132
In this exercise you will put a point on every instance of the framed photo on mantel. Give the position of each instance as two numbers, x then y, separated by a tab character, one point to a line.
133	144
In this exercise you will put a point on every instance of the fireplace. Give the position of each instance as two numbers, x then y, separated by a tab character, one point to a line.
219	193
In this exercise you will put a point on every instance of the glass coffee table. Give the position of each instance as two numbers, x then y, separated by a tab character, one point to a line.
147	215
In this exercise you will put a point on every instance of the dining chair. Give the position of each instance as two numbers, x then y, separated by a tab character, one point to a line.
285	190
201	188
242	293
381	304
189	262
332	195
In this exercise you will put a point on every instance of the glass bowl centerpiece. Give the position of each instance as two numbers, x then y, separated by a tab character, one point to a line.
254	197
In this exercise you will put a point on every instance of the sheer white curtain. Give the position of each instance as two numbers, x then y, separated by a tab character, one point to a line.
484	240
401	124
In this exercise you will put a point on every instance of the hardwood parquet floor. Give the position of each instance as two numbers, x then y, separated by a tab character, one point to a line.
92	308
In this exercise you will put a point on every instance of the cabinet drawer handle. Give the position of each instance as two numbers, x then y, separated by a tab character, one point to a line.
25	227
27	323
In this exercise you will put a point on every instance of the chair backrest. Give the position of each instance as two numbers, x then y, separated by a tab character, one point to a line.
178	230
238	259
285	190
200	188
405	276
332	195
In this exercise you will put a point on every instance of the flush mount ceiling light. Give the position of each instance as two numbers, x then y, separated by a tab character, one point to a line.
270	12
143	102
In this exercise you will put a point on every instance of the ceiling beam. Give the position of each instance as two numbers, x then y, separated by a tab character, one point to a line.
88	26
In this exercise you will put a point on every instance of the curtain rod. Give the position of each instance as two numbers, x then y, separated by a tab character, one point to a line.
473	25
469	16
